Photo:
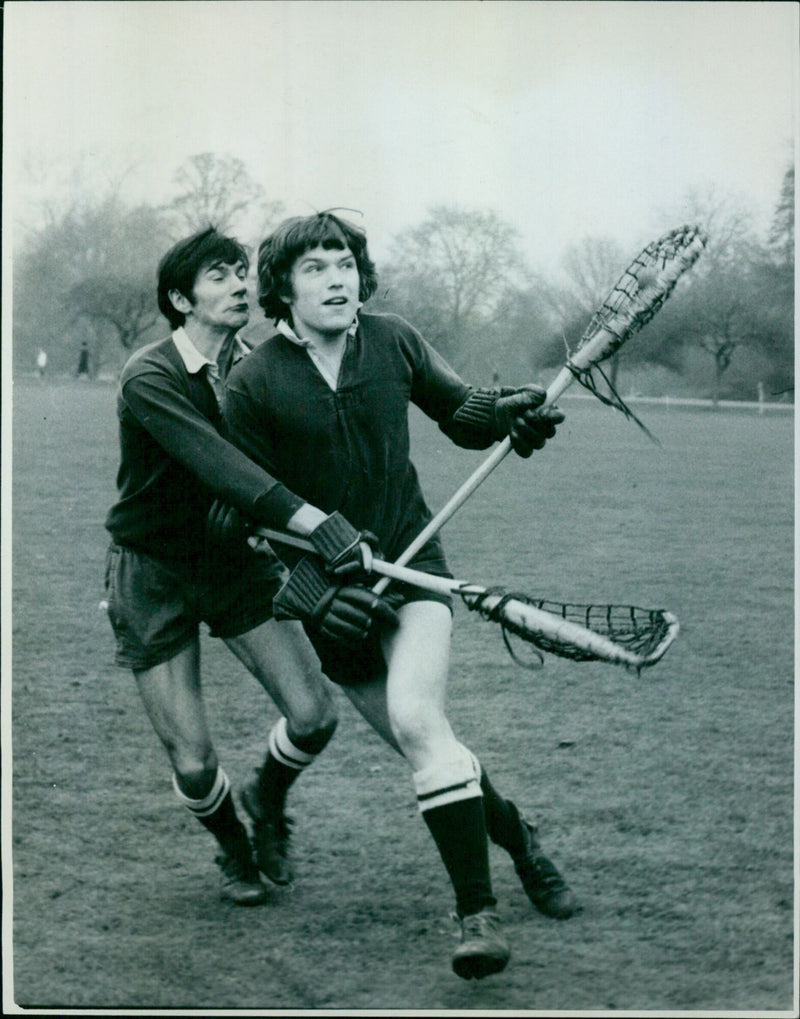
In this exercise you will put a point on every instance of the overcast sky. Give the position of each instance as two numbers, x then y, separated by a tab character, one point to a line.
569	119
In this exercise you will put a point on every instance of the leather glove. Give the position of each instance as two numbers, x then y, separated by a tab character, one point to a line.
345	550
346	613
521	417
226	535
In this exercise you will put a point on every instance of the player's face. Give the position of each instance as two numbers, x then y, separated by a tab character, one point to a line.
324	297
219	297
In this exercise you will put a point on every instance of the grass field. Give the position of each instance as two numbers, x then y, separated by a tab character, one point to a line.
667	799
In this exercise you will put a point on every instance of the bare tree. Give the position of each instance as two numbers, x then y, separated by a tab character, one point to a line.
128	305
91	270
720	304
219	191
781	237
452	274
591	269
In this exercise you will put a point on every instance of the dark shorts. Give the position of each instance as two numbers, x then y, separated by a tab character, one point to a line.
156	612
349	665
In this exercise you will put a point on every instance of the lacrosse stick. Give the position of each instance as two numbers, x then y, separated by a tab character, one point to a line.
636	297
620	634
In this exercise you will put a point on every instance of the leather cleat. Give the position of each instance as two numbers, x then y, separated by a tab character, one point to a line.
239	881
271	836
483	949
543	884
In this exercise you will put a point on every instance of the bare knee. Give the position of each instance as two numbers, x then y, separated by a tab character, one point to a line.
315	736
195	770
313	716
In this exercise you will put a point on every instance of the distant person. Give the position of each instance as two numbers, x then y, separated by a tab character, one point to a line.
323	406
169	570
83	362
41	363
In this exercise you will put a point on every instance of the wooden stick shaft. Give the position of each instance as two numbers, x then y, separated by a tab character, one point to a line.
565	378
528	617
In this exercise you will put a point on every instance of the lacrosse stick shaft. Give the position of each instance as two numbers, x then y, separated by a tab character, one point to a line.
392	571
663	263
546	624
564	378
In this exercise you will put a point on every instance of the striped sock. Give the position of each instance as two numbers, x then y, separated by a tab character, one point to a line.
286	758
503	823
449	799
216	812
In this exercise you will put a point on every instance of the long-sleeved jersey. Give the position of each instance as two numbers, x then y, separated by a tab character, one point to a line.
175	459
348	449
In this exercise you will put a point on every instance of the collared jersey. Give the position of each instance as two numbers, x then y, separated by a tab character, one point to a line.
347	448
174	457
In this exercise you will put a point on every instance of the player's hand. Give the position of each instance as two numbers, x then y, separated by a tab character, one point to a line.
346	551
227	531
521	417
348	613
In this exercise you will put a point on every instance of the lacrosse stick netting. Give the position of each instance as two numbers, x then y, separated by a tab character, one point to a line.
619	634
633	301
622	634
639	293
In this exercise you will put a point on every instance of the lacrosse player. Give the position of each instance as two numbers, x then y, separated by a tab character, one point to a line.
323	406
167	570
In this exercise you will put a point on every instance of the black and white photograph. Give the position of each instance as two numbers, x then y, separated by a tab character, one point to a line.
398	532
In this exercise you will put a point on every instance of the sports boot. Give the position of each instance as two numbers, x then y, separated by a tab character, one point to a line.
271	832
543	884
239	881
483	949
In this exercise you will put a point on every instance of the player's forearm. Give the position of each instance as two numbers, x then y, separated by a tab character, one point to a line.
306	519
193	441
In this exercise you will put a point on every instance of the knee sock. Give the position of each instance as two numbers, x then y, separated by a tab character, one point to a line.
286	758
216	812
449	799
503	822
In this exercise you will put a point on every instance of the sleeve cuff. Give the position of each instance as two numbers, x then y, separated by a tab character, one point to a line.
477	410
275	507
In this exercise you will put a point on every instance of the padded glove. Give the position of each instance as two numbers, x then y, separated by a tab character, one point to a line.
344	613
521	417
345	550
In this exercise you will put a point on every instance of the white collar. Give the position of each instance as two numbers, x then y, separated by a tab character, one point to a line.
193	360
286	330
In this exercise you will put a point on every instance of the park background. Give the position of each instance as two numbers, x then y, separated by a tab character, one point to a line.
507	161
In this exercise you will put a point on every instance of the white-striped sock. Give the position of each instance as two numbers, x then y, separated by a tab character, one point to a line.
209	803
284	751
446	781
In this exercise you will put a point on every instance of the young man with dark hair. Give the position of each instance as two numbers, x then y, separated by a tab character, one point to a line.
168	570
323	407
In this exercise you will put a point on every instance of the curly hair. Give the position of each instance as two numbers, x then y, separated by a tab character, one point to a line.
278	253
180	267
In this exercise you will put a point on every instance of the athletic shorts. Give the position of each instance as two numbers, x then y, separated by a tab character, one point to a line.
156	612
351	665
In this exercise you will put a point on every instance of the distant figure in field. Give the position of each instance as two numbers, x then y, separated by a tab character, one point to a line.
41	363
83	362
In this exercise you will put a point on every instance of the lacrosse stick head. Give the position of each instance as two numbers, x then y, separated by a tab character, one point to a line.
635	298
621	634
643	288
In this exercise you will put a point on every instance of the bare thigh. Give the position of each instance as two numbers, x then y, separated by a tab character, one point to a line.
280	656
407	706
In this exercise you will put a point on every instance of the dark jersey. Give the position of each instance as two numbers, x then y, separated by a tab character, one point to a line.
348	449
175	459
